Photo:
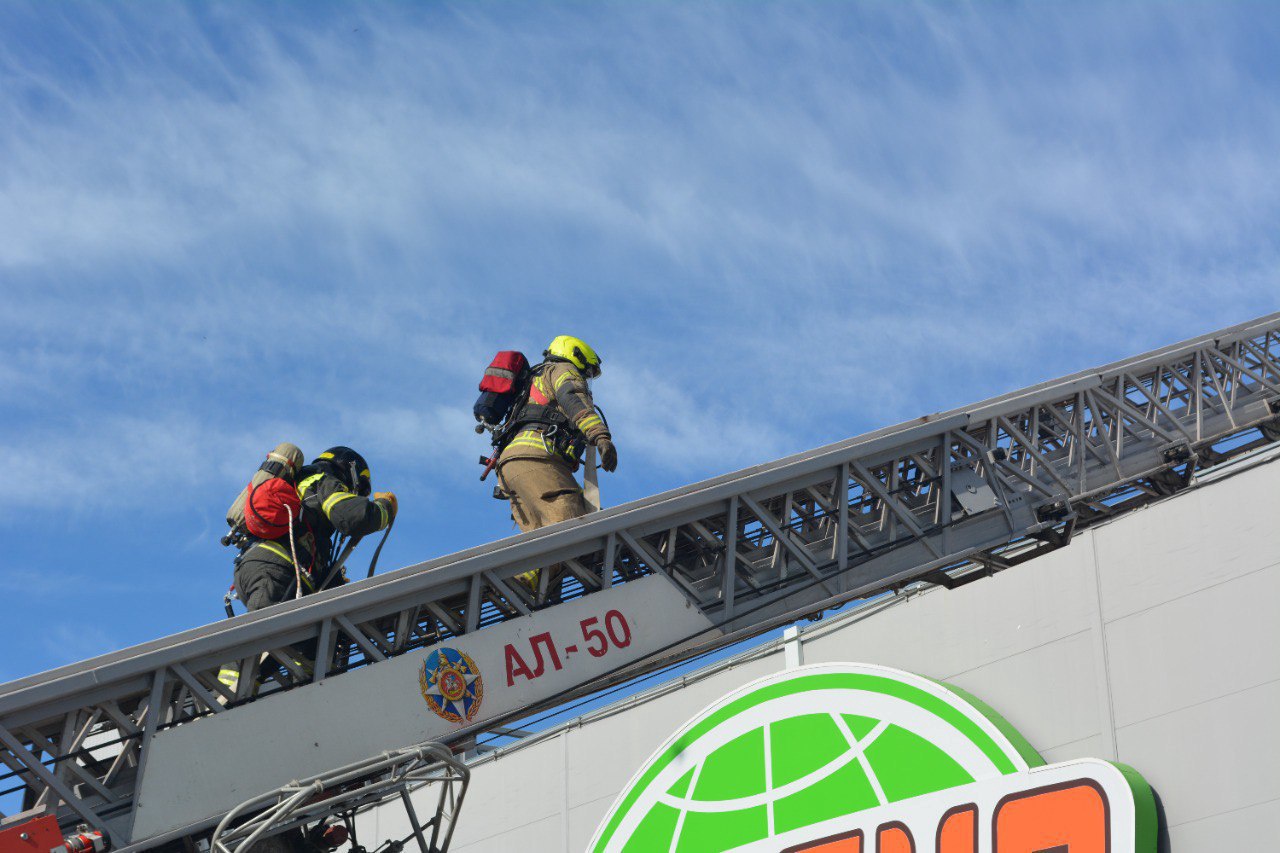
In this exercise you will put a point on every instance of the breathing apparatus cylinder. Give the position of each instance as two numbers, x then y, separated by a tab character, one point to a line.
282	462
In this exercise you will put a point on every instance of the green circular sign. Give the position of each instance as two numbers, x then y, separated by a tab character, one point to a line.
804	746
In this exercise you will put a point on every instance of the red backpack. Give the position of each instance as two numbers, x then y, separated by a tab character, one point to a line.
501	385
271	507
281	463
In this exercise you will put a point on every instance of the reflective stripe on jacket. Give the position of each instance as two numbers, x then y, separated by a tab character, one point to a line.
561	388
327	506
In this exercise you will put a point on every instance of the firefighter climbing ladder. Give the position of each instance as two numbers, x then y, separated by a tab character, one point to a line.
146	745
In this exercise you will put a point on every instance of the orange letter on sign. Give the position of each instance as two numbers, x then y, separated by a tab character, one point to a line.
958	831
1069	818
894	838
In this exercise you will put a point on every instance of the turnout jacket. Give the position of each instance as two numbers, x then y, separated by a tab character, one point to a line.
328	506
558	420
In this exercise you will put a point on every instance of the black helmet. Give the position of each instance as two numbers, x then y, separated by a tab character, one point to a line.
348	466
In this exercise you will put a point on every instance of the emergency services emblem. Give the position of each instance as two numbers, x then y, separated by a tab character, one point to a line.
451	684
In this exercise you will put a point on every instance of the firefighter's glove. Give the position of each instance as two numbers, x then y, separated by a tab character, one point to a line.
393	505
608	455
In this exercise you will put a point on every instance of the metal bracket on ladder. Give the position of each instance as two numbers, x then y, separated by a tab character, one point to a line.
347	790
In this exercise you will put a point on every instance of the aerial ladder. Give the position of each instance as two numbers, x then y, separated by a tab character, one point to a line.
366	692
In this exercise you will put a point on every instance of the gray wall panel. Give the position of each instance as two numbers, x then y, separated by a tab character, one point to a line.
1092	746
1190	543
546	834
584	819
942	633
1192	649
1250	828
1048	693
1212	758
521	787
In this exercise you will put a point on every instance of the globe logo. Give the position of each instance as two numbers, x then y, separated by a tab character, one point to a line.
801	748
451	685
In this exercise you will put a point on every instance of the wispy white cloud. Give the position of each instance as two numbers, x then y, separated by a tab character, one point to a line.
783	225
44	586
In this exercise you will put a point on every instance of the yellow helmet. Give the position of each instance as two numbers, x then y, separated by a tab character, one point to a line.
576	352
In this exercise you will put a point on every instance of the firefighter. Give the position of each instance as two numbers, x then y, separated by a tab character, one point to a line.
334	491
549	433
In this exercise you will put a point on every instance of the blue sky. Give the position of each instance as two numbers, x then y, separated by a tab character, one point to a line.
782	224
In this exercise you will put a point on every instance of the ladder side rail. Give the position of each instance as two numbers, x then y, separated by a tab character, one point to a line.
136	678
43	715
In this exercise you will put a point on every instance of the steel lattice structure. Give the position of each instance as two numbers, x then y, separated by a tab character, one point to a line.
944	499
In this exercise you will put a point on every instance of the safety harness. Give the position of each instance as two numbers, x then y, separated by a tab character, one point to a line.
535	410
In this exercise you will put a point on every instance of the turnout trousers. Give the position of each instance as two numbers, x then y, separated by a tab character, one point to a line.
261	584
541	492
